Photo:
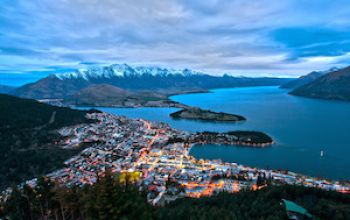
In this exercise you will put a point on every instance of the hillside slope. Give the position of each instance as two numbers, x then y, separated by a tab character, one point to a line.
27	134
334	85
303	80
107	199
101	95
50	87
108	95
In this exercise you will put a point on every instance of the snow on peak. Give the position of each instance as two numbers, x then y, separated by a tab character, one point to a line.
123	70
333	69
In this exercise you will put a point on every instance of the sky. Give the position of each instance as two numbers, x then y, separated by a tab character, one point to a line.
285	38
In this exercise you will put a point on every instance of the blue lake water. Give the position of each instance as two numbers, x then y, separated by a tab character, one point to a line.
301	128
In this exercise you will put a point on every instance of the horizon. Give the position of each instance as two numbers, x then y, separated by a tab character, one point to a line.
259	39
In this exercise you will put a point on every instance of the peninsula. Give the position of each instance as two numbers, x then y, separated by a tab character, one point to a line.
206	115
234	138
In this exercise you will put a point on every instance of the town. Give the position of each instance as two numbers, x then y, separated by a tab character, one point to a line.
156	158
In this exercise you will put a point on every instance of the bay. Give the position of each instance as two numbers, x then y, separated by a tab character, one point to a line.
301	128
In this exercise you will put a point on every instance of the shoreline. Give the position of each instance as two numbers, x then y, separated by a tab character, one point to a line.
315	172
199	114
147	148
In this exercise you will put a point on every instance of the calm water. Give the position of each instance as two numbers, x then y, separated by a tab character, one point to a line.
301	127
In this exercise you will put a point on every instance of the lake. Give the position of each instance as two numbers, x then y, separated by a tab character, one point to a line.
301	128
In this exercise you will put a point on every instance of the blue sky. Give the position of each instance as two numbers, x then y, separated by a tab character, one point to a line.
252	38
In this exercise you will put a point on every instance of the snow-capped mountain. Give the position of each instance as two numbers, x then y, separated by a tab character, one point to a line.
135	79
124	70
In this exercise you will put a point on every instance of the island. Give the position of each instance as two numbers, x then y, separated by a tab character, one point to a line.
205	115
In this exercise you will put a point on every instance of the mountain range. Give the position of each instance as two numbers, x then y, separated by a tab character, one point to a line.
123	85
157	83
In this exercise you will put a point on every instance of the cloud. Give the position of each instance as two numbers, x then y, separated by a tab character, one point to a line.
314	41
240	37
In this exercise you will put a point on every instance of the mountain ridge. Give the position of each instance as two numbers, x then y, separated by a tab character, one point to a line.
306	79
334	86
154	79
124	70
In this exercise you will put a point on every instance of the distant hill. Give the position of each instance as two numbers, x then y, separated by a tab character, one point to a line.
27	134
108	95
6	89
152	79
334	85
303	80
101	94
50	87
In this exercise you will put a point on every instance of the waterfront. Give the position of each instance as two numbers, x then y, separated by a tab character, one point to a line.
156	158
301	127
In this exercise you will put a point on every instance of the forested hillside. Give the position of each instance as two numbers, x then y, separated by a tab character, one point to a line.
108	199
27	134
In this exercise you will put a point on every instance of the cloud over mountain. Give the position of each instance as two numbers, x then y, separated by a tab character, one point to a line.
267	37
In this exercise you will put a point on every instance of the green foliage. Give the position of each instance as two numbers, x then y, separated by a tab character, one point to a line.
105	200
263	204
27	136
